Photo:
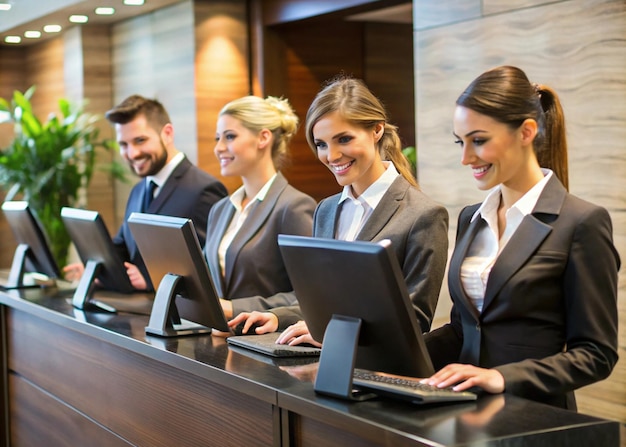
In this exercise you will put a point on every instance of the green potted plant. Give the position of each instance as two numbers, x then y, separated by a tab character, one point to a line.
48	163
410	152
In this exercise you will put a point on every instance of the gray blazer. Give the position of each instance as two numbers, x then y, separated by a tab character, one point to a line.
255	276
418	229
549	319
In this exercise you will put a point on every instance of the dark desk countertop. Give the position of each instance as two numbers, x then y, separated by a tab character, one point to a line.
493	420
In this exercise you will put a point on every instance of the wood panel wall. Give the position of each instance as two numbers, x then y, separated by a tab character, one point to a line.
87	77
579	48
222	72
298	63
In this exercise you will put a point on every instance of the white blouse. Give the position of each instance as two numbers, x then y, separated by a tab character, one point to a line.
487	246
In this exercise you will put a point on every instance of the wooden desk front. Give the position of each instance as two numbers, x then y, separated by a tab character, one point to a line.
74	378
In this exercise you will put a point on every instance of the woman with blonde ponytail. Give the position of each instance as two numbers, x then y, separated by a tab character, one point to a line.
242	252
348	130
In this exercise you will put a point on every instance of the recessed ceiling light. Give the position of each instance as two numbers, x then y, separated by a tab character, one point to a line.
12	39
52	28
4	6
78	18
32	34
134	2
105	11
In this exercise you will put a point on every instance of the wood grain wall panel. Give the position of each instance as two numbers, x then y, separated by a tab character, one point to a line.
45	70
579	48
308	65
222	72
388	73
98	91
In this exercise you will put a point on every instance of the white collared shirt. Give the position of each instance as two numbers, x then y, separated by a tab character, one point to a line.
487	246
354	211
240	216
161	177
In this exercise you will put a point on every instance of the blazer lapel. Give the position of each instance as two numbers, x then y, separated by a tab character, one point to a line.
259	214
462	246
385	210
527	238
212	246
325	218
168	188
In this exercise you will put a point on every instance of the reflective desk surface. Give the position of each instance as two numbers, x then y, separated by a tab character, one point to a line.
288	384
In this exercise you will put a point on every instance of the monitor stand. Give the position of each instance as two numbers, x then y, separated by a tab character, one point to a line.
18	269
336	365
84	292
164	318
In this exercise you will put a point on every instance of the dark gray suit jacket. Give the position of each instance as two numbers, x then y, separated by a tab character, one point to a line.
188	192
255	276
418	229
549	319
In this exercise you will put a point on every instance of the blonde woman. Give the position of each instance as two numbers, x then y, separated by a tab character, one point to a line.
242	251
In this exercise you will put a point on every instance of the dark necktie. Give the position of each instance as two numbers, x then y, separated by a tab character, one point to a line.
149	195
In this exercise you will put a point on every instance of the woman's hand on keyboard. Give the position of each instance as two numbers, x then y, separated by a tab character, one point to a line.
297	334
462	377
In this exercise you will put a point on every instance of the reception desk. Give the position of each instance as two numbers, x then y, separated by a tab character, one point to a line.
75	378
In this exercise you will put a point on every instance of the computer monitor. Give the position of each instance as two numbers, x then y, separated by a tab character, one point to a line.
186	302
97	251
354	298
33	254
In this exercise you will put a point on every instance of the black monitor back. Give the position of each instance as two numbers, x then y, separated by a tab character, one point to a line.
361	280
28	231
93	243
170	245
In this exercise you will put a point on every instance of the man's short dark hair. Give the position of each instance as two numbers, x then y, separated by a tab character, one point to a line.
136	105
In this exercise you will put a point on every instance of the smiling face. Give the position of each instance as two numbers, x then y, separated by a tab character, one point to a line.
238	149
349	151
495	152
142	147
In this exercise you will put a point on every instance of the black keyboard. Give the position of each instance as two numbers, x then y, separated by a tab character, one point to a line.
407	388
266	344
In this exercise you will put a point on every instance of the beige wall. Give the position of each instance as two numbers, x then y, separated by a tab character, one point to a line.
579	48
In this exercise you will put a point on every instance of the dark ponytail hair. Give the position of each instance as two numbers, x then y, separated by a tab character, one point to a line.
506	95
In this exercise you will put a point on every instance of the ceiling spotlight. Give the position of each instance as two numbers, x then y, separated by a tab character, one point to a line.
105	11
12	39
4	6
78	18
134	2
32	34
52	28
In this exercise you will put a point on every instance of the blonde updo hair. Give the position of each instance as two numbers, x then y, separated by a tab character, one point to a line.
274	114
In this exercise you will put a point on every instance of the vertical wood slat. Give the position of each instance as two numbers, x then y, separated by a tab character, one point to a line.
222	67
